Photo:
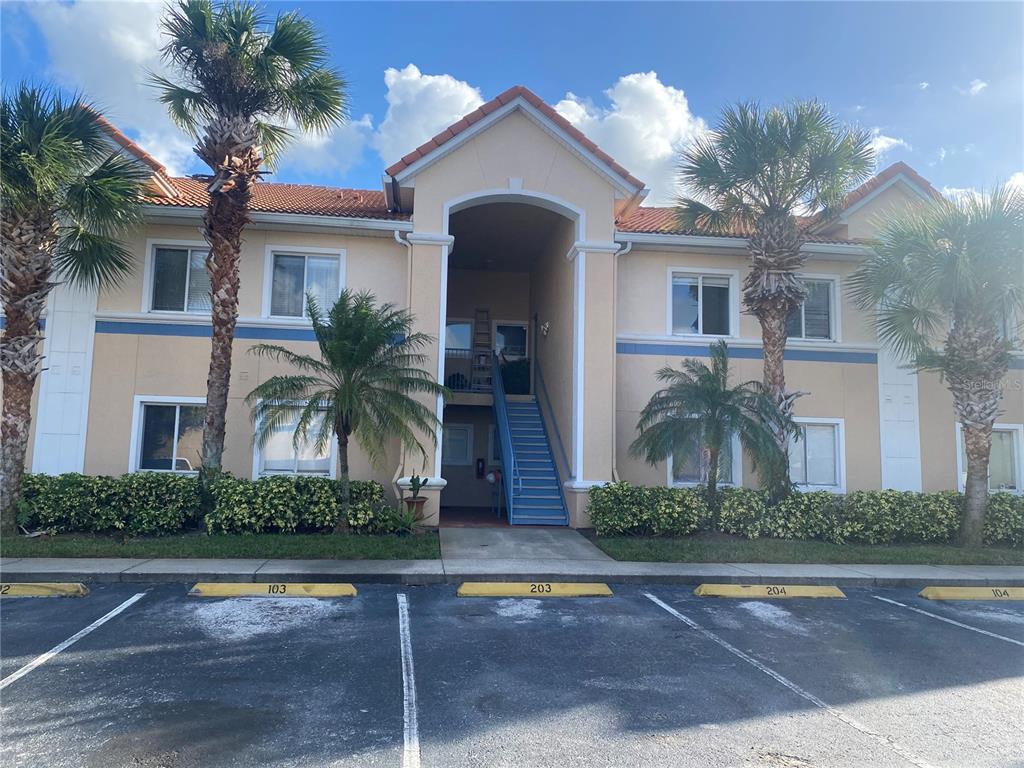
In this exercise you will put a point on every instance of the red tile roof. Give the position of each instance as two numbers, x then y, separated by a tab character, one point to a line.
129	145
496	103
883	176
274	197
664	221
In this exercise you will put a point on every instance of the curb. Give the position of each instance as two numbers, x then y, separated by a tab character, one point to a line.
359	576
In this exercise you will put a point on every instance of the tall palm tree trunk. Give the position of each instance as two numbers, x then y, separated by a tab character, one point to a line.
229	146
27	267
976	364
712	489
343	480
771	291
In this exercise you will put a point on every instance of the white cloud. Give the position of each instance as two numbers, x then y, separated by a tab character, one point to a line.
419	107
646	125
337	151
881	143
942	154
923	85
1016	181
123	43
975	87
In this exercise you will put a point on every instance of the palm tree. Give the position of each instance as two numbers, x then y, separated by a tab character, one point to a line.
67	197
363	384
946	286
239	87
755	175
698	410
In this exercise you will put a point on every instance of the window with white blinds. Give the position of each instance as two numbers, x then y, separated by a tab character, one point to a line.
814	318
180	280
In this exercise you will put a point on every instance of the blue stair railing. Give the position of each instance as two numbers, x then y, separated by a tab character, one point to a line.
510	478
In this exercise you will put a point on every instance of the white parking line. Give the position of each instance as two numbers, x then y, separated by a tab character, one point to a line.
838	714
950	621
69	642
411	752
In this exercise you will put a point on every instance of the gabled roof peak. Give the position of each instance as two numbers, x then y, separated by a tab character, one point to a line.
502	99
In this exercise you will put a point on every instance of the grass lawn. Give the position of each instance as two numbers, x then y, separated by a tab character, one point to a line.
269	545
725	549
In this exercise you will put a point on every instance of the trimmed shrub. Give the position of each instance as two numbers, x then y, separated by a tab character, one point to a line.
1004	520
801	516
868	517
621	509
151	503
742	511
286	504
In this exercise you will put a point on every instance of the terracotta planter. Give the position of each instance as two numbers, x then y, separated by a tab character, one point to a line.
415	505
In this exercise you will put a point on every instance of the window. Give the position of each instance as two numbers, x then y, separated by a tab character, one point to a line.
457	445
458	334
510	339
180	280
815	460
701	304
280	457
813	319
171	438
691	467
293	275
1005	468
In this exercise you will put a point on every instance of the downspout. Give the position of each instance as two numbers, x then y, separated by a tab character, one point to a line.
400	471
615	344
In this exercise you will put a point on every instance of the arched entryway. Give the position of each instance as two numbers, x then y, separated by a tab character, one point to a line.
509	349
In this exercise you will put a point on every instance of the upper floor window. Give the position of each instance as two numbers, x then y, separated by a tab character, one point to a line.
280	456
814	318
180	280
701	304
293	275
169	436
1005	462
816	459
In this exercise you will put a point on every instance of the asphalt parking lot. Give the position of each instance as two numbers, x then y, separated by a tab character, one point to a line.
414	676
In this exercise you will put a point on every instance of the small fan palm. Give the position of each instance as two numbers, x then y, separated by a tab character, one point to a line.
241	83
698	408
364	384
68	197
755	175
946	289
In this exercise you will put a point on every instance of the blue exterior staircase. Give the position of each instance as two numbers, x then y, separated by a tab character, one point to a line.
536	493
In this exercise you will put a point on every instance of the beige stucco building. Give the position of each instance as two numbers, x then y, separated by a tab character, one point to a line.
508	232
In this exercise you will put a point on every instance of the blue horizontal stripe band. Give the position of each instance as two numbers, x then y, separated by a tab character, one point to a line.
3	323
744	353
199	330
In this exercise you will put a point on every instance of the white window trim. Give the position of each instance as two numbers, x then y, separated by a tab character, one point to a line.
455	320
737	469
257	460
734	301
288	250
840	425
446	461
135	442
835	309
149	270
1018	444
525	324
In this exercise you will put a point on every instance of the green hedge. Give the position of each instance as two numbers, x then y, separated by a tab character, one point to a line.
158	503
621	509
864	517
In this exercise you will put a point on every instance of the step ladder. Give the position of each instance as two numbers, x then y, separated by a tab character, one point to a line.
480	377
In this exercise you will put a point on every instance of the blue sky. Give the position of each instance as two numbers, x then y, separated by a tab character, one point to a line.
941	84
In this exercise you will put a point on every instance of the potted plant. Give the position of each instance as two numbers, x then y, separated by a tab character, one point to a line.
415	502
